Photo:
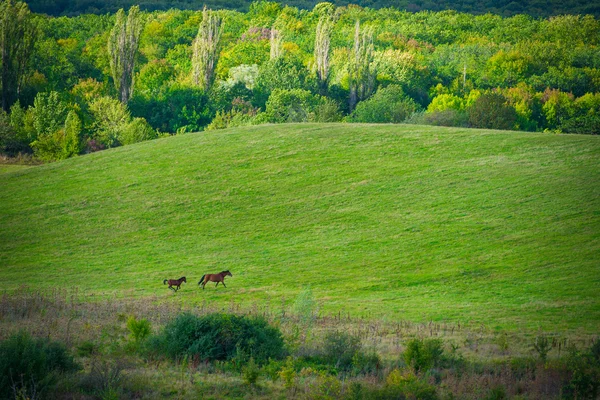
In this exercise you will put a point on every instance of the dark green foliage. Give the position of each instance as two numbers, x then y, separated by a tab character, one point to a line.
444	118
181	108
31	366
387	105
585	368
298	105
219	337
491	111
506	8
423	354
339	348
88	349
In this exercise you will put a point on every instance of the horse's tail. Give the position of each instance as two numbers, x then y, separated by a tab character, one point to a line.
201	279
165	282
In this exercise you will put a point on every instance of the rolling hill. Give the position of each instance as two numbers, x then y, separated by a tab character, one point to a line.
388	221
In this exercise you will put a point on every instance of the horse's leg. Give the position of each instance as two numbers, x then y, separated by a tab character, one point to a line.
217	284
223	283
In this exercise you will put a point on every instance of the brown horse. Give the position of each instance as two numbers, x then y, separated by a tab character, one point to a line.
175	282
220	277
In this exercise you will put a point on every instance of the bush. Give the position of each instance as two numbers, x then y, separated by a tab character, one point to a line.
251	372
339	349
30	366
298	105
138	130
139	329
422	355
440	118
406	385
219	337
490	111
387	105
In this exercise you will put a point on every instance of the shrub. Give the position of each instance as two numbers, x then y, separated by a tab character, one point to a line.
251	372
219	337
443	102
542	346
422	355
441	118
30	366
297	105
585	378
139	329
490	111
339	349
400	385
387	105
138	130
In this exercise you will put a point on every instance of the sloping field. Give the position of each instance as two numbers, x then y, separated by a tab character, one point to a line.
388	221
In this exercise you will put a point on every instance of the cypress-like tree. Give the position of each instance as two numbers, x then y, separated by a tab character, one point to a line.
360	71
123	44
206	49
18	33
72	130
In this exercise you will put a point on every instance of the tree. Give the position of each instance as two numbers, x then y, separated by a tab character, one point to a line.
72	130
206	49
491	111
360	75
322	45
18	33
388	104
275	42
123	44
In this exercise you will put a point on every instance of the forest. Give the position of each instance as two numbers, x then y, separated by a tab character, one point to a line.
73	85
536	8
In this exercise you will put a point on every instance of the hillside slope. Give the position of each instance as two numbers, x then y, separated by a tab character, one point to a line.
398	221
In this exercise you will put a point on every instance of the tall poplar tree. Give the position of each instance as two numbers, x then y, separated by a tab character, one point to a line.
361	73
18	33
322	46
206	49
276	43
123	44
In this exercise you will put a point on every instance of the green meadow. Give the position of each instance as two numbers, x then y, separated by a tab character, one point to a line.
394	222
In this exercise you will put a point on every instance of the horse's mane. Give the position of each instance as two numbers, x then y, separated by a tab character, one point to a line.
182	278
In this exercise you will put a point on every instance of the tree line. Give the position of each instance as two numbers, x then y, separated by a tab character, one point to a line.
535	8
81	84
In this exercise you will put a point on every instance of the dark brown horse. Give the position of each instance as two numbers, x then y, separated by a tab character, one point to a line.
219	278
175	282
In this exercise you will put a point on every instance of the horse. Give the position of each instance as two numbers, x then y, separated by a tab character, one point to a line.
220	277
175	282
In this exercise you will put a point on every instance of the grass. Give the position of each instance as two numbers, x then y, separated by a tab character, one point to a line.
382	221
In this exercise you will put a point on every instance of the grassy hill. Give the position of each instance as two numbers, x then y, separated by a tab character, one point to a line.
389	221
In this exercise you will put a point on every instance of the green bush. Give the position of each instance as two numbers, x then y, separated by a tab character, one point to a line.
344	353
585	369
251	372
388	105
31	366
138	130
298	105
423	354
219	337
139	329
490	111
